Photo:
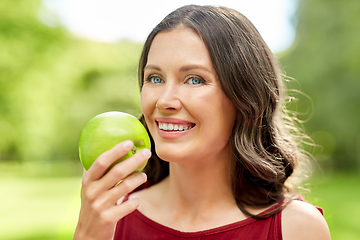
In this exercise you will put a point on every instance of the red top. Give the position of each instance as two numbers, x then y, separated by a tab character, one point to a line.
136	226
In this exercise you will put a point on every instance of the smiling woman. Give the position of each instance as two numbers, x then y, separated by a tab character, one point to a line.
222	154
187	94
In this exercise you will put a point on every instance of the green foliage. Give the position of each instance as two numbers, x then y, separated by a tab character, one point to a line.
52	83
325	60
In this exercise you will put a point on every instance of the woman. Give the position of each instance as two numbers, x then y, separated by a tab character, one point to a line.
213	102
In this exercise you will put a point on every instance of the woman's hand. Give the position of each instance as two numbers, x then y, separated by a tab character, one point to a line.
101	207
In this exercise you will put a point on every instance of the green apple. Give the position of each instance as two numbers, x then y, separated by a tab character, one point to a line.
106	130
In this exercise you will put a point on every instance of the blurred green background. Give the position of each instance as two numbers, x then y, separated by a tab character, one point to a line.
51	83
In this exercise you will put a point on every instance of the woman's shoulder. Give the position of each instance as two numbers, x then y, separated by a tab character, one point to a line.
301	220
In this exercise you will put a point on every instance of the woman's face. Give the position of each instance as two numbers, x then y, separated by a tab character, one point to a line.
186	111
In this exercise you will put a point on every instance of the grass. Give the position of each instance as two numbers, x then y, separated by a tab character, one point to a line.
42	208
46	208
39	201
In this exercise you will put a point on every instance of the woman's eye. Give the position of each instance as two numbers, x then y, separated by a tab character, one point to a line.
195	81
155	79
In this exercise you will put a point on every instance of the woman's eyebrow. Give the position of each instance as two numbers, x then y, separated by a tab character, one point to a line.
194	66
150	66
182	69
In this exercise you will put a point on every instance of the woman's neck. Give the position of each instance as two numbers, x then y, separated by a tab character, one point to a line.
196	186
199	192
197	195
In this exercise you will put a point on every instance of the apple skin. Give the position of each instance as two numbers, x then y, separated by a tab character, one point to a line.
104	131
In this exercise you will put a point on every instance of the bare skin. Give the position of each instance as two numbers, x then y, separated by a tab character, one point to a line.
185	90
100	205
301	220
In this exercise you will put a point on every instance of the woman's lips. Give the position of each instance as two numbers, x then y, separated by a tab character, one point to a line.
172	128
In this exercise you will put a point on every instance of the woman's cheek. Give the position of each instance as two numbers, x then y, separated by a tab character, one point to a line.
144	99
148	104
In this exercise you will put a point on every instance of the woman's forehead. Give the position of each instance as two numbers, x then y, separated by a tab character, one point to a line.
183	45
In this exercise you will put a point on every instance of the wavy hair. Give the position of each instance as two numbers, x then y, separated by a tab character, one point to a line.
265	153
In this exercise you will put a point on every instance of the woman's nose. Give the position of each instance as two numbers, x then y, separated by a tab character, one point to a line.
169	100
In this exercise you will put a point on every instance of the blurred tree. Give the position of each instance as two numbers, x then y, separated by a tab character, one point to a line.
51	83
325	61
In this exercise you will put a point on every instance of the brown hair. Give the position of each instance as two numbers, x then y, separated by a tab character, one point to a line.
265	154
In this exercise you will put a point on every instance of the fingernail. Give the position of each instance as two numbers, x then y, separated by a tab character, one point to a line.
146	152
145	176
120	200
128	144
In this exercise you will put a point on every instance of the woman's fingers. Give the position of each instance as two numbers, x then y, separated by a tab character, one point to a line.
96	186
110	198
123	169
116	212
104	161
100	194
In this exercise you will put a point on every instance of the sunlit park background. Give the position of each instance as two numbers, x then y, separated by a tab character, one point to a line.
55	75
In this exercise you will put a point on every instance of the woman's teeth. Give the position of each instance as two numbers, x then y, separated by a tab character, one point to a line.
173	127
